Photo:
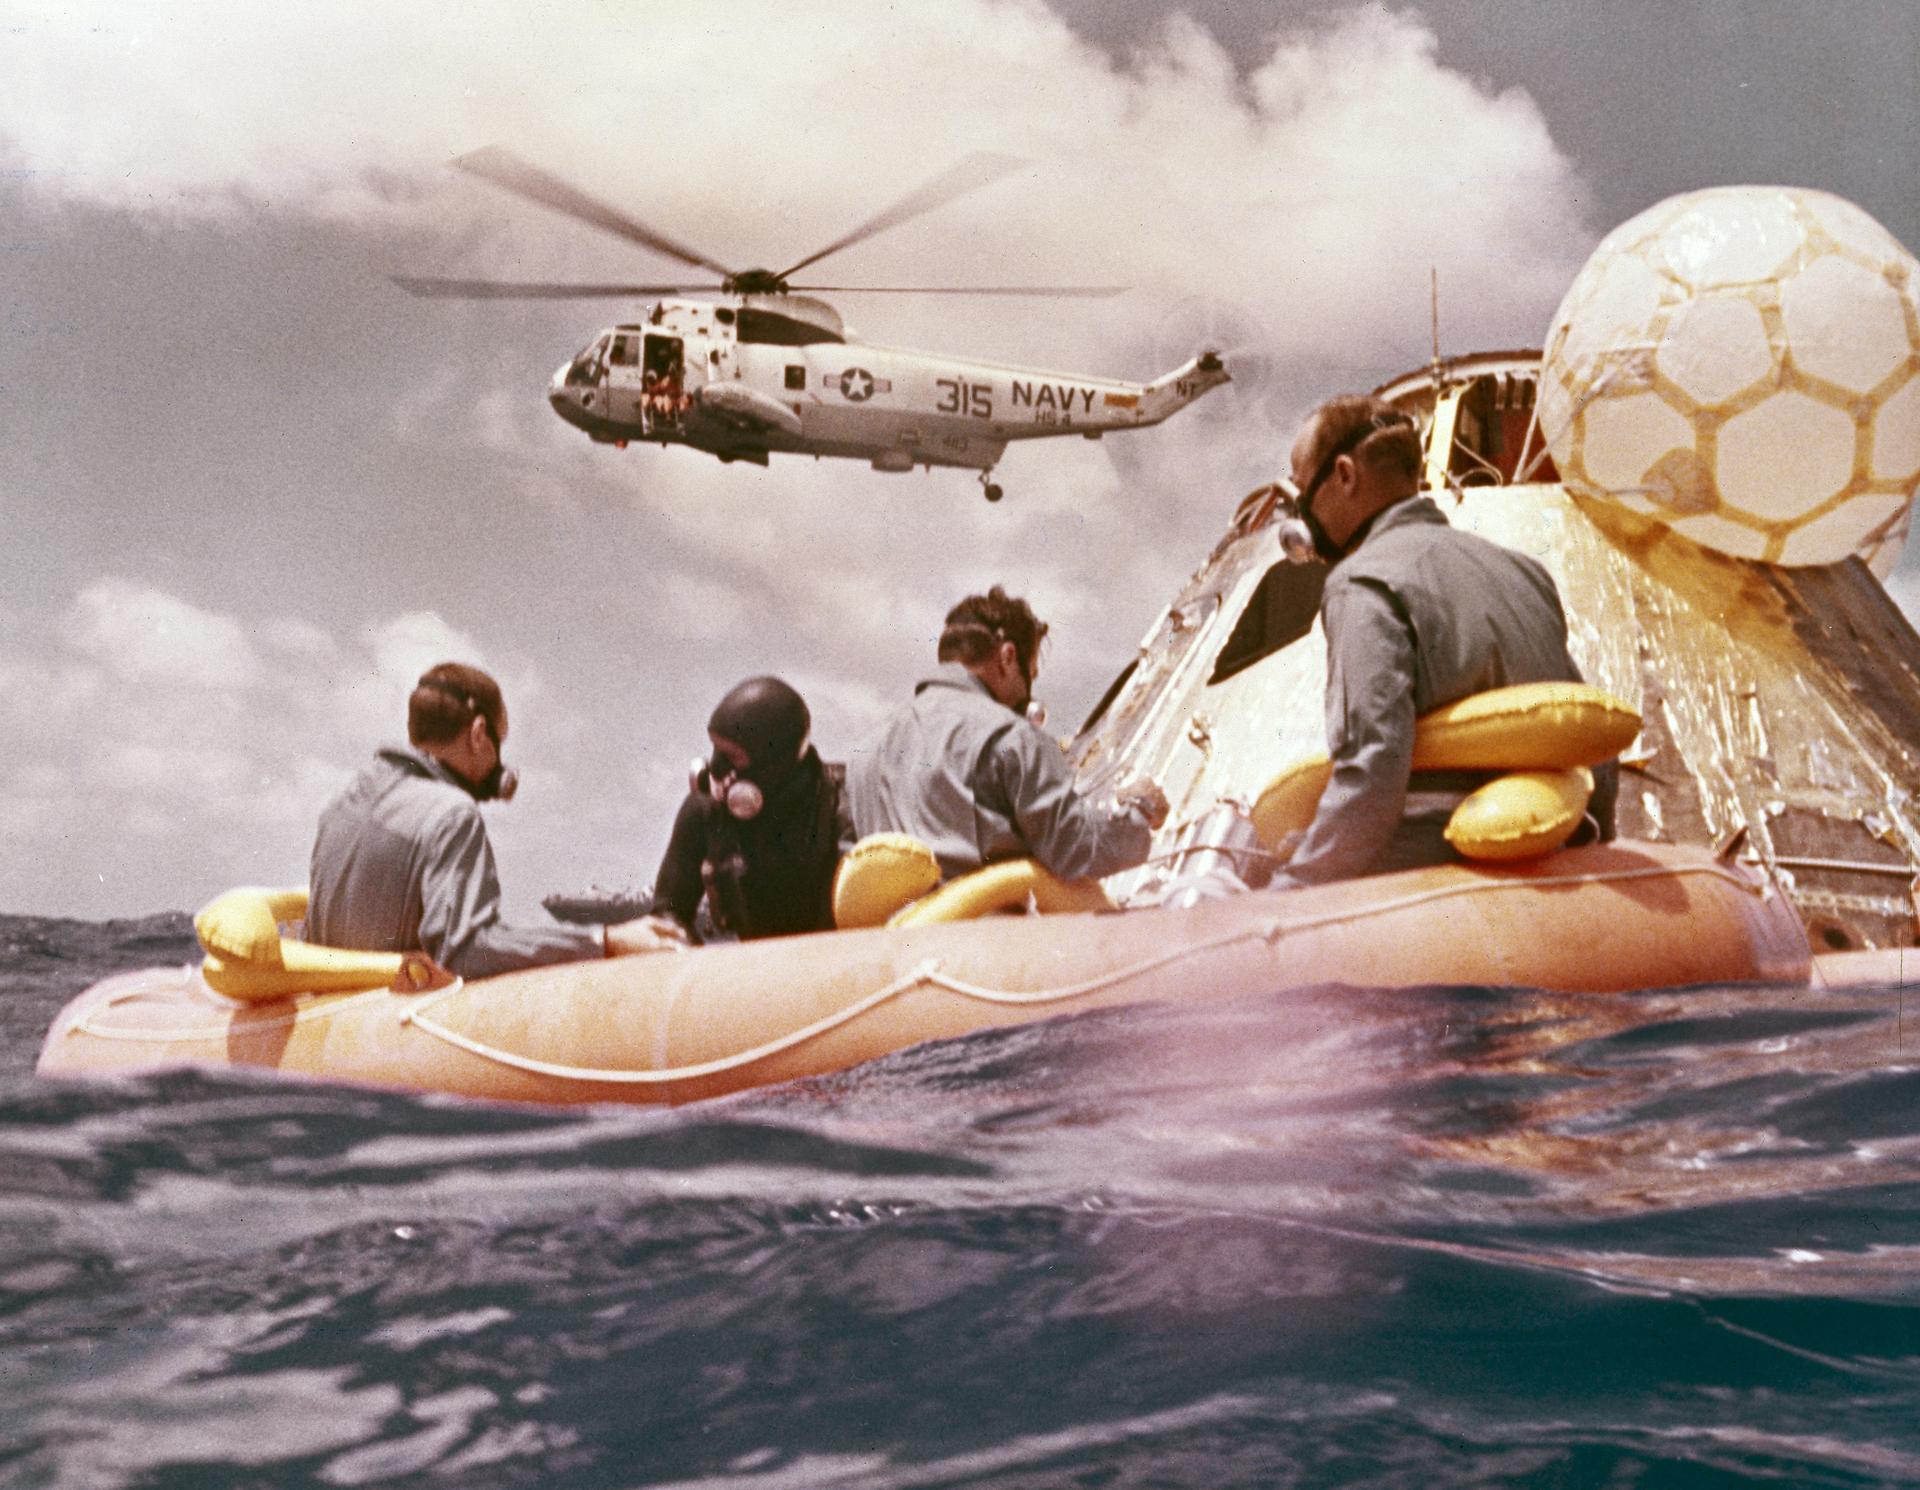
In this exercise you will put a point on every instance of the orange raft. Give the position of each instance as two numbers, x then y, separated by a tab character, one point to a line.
678	1027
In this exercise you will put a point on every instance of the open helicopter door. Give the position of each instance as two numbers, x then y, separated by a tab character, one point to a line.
663	383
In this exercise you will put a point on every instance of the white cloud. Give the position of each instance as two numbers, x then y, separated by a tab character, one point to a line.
409	644
1172	172
142	635
150	758
1290	201
39	797
297	639
714	607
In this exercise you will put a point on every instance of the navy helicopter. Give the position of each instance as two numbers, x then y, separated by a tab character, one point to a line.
757	365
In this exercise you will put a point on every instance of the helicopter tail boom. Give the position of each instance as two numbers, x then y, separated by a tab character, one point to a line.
1168	395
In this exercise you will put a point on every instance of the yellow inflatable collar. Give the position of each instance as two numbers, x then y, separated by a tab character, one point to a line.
248	959
1003	887
893	879
1545	732
880	874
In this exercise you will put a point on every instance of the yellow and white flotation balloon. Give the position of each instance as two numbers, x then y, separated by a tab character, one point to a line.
1743	365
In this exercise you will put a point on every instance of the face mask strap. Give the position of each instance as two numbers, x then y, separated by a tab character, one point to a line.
499	784
1351	441
1301	535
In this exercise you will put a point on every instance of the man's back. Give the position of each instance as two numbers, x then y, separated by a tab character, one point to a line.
1417	615
1481	616
373	841
401	861
917	776
977	784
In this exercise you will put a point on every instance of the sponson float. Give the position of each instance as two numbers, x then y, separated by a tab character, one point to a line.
1716	539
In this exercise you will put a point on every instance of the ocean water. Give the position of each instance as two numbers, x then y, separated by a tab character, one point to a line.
1449	1237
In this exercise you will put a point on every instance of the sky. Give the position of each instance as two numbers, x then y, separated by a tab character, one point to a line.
249	489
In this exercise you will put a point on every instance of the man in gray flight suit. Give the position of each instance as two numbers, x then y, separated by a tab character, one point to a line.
1417	614
962	769
401	860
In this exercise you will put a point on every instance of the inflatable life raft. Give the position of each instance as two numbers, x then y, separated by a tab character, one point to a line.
682	1026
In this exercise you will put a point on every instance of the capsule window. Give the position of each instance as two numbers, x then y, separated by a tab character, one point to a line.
1280	613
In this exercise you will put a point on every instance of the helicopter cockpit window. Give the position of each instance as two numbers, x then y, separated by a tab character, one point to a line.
589	366
626	351
773	329
1280	613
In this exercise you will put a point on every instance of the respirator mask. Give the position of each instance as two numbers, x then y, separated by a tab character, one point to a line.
734	787
722	781
1301	537
499	784
1294	531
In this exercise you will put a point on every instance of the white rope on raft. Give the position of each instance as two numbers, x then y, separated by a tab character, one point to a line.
928	973
208	1034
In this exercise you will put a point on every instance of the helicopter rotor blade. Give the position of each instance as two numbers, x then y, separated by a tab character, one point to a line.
1095	292
976	171
508	171
498	289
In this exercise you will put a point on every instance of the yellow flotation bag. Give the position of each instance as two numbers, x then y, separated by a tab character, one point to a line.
893	879
1288	802
1528	727
1521	815
248	959
244	924
880	874
1531	728
1005	886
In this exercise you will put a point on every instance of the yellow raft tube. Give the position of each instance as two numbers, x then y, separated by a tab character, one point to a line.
682	1026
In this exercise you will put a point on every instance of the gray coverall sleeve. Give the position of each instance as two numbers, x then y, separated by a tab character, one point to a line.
1370	716
1067	834
460	925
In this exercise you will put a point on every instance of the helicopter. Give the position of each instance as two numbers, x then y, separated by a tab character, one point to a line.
758	365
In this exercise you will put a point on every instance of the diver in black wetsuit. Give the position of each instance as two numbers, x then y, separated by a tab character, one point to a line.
762	831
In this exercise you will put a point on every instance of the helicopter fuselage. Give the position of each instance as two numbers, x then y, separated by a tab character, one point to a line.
767	374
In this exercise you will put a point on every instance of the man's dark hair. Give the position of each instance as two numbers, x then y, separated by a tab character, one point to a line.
446	698
1391	444
980	623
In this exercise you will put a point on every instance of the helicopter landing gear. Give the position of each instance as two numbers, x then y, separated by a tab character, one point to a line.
993	492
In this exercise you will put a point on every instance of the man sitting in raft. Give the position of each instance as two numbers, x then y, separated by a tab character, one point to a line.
401	860
762	831
1417	614
962	769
